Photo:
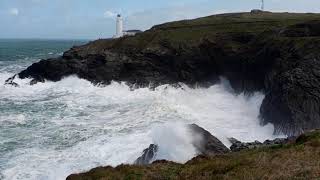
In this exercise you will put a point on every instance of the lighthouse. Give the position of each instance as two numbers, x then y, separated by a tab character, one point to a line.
119	27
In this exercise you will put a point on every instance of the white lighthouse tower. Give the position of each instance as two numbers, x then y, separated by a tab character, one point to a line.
119	28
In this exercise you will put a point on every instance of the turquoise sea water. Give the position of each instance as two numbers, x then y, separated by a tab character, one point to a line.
50	130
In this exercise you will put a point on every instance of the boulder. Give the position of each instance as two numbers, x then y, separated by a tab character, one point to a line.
204	143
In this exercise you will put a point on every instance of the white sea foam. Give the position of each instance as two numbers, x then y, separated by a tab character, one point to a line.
55	129
175	142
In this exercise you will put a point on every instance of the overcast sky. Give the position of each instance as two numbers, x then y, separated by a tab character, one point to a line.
90	19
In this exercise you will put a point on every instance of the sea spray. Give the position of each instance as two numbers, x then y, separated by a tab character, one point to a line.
53	129
174	141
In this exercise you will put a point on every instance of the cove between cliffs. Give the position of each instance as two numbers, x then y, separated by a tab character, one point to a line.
276	53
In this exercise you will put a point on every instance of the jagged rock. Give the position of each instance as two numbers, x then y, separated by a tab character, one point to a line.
204	143
148	155
11	82
301	158
233	140
207	144
277	53
239	146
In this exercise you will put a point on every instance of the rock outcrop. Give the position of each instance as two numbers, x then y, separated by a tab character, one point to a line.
148	155
277	53
297	160
239	146
203	141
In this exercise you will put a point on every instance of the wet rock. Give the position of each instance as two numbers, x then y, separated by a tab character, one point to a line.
279	55
148	155
204	142
11	82
239	146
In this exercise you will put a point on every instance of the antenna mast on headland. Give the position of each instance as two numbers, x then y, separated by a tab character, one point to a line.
262	5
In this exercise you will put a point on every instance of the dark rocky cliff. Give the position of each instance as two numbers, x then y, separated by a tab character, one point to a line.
277	53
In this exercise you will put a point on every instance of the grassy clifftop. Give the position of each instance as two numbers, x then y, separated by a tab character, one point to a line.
298	160
274	52
277	53
192	32
210	27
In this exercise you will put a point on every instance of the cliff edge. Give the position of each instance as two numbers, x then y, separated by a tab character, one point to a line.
298	159
277	53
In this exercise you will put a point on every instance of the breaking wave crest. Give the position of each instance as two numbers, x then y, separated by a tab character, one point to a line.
50	130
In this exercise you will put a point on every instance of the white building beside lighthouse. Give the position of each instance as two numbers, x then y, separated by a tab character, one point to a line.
119	29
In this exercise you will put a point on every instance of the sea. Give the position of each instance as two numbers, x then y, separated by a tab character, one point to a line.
53	129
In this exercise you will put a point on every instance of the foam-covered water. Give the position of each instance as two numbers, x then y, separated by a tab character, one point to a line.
50	130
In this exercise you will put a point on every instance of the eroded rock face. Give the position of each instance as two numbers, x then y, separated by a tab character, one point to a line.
239	146
279	57
204	142
148	155
292	101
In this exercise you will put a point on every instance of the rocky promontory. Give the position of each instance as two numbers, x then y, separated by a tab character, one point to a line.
277	53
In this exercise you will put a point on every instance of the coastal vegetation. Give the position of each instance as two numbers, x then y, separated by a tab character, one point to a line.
297	160
274	53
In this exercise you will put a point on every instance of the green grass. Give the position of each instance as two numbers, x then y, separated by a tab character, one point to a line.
192	32
298	160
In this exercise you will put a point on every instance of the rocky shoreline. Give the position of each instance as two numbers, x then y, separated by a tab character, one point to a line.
276	53
208	145
295	157
203	141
